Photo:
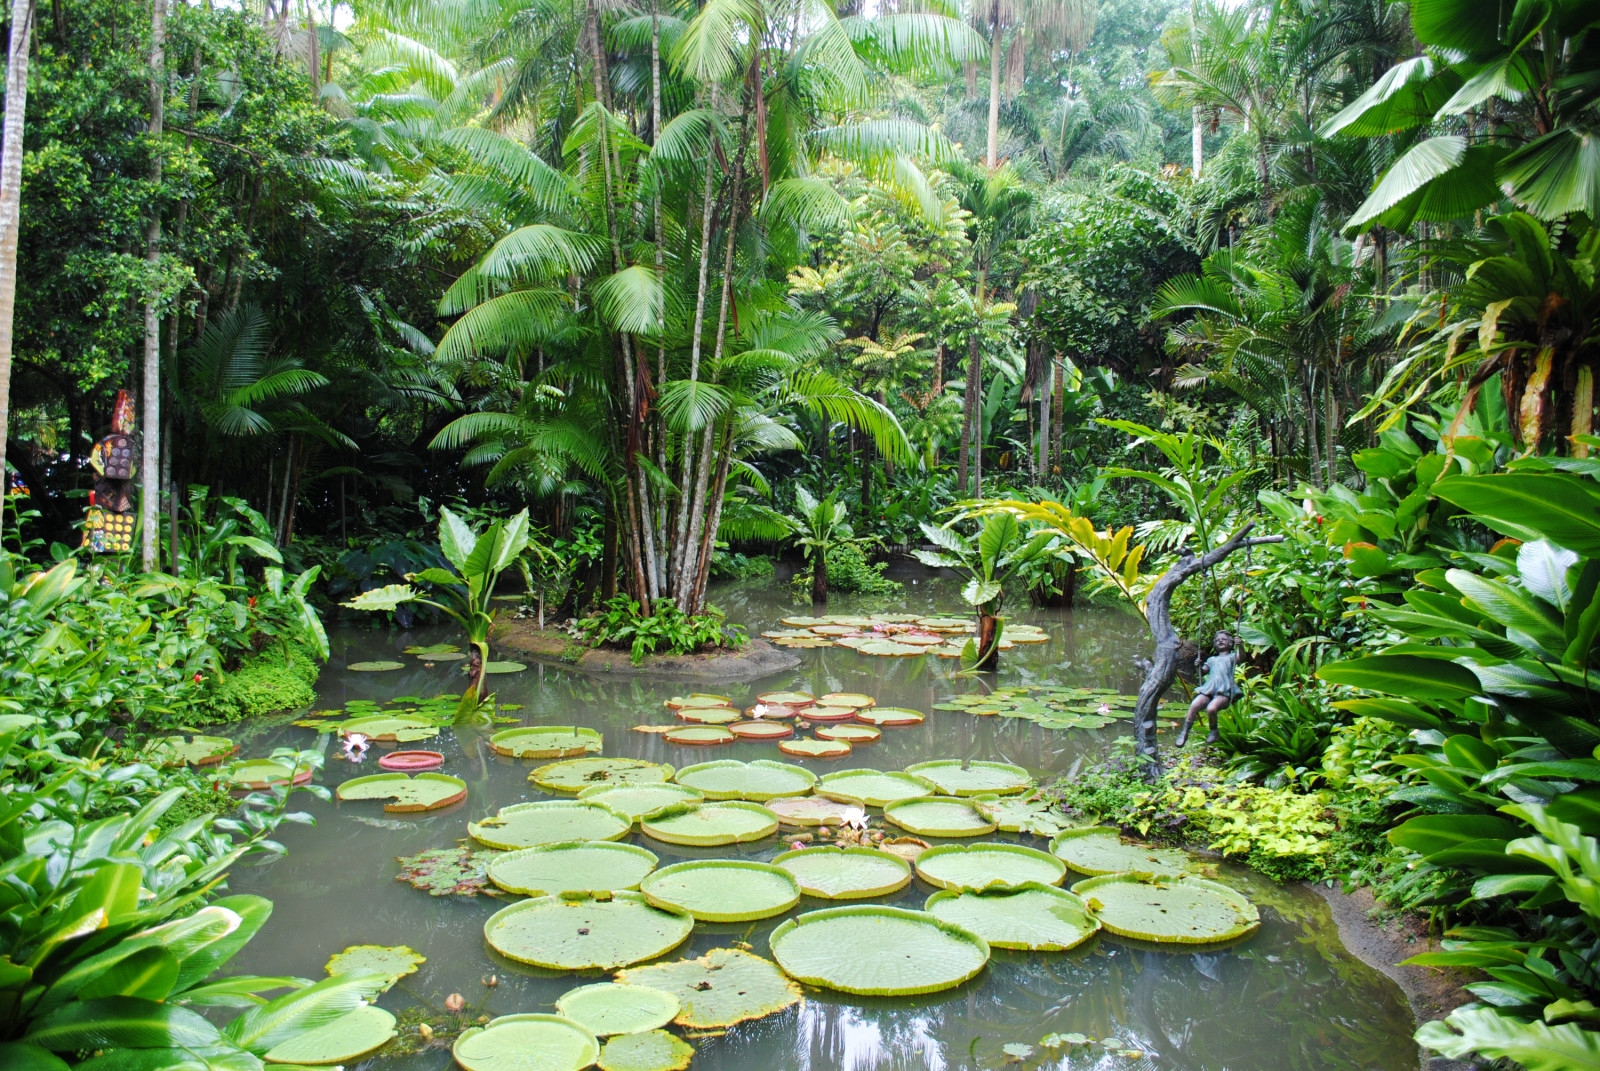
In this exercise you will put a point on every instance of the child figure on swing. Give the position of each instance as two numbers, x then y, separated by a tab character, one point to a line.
1218	690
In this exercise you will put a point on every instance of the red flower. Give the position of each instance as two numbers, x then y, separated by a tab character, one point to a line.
197	678
252	602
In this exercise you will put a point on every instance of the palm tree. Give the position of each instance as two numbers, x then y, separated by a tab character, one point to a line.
11	194
1014	28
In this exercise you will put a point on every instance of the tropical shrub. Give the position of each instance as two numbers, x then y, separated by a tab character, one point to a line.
279	678
849	571
621	622
1278	734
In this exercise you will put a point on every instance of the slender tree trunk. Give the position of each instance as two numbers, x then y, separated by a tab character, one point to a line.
1046	398
996	48
22	14
150	474
819	578
1197	144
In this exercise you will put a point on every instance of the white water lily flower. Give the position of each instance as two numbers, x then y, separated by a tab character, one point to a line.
355	746
1104	709
855	818
759	710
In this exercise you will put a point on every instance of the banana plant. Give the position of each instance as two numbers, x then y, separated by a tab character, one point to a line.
819	527
1002	546
463	595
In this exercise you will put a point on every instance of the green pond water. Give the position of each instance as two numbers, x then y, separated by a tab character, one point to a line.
1289	997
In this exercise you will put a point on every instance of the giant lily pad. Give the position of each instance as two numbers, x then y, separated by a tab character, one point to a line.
761	730
890	717
1099	850
699	736
390	727
851	734
526	1043
446	871
636	801
828	714
584	933
709	715
723	987
546	741
611	1008
504	667
382	666
574	775
977	867
877	951
873	788
1034	917
266	773
393	963
1190	911
698	699
793	700
938	816
730	779
959	778
809	810
709	824
807	748
424	792
196	751
846	873
1015	815
572	866
723	890
847	699
889	649
431	649
649	1050
344	1040
529	825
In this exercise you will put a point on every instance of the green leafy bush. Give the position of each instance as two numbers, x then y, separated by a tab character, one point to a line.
731	565
849	571
622	623
279	678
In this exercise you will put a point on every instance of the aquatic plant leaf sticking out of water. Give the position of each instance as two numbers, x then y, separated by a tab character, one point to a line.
465	595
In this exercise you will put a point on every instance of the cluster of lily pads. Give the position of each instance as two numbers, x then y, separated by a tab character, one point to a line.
1053	706
839	721
592	901
893	635
430	655
278	769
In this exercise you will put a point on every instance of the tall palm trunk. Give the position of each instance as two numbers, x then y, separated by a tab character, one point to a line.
149	468
1197	144
22	12
995	49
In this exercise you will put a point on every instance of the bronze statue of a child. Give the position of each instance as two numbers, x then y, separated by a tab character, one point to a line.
1216	691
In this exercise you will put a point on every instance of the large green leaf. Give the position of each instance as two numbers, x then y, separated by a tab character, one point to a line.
723	890
345	1039
1557	174
959	777
614	1008
1485	1032
572	867
586	933
384	598
1039	918
259	1029
877	951
1404	675
710	823
1557	507
723	987
1180	911
529	825
526	1042
19	1056
758	781
121	1022
831	873
1460	840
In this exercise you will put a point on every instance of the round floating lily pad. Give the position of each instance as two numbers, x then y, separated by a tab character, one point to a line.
699	736
938	816
730	779
847	699
723	890
526	1043
375	667
907	848
877	951
890	717
723	987
394	963
585	933
345	1039
770	711
611	1008
805	643
761	730
504	667
709	715
807	748
828	714
572	867
196	751
873	788
546	741
698	699
946	624
793	700
1034	917
265	773
809	810
389	727
636	801
834	630
850	734
1190	911
424	792
977	867
1017	815
529	825
432	649
1097	850
444	656
846	873
574	775
649	1050
957	778
889	649
411	761
710	824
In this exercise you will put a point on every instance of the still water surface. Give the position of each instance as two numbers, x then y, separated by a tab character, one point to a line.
1290	998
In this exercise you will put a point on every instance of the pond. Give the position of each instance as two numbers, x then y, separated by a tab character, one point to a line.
1288	998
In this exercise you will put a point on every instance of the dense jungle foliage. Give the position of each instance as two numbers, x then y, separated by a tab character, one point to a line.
607	302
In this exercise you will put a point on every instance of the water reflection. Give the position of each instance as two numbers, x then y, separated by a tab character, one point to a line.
1288	999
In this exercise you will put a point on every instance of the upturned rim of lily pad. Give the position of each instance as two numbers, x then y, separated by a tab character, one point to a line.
871	957
1011	901
587	1045
664	1010
544	776
656	824
752	773
505	861
721	905
853	735
1246	917
891	717
439	791
806	747
506	741
800	856
411	761
1020	780
540	953
1141	858
484	833
911	815
829	785
931	857
761	730
699	736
